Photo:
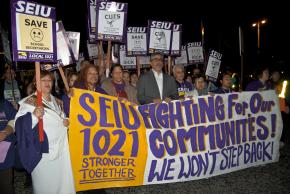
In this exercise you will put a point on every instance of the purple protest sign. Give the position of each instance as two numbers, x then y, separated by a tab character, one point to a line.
125	61
92	4
213	65
195	52
136	43
91	36
33	32
176	40
160	35
111	21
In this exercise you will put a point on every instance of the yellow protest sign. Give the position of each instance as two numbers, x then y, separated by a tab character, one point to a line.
35	33
113	145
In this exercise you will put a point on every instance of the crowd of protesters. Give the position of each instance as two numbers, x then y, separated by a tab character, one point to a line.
19	113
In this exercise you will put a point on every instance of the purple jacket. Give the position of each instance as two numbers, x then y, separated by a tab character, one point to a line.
29	148
258	85
7	113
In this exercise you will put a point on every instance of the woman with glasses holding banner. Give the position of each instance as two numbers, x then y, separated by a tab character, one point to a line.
49	161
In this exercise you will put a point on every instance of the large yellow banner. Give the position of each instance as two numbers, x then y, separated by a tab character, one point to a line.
107	142
114	144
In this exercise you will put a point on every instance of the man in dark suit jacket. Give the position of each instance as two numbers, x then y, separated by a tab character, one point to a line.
156	86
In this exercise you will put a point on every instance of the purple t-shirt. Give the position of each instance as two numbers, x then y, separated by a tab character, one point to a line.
183	87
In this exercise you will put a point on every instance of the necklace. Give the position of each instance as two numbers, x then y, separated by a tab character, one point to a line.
52	106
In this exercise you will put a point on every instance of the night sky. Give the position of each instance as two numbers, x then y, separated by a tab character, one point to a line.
221	22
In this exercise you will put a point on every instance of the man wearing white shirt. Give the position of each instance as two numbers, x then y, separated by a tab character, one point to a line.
155	86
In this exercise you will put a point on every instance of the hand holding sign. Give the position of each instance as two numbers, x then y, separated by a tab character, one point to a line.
34	39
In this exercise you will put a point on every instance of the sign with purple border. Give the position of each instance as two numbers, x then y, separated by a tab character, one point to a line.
92	4
187	140
160	35
136	41
195	53
183	59
33	31
213	65
111	21
91	37
125	61
92	15
176	40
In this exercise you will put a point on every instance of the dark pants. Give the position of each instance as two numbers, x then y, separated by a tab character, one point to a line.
6	181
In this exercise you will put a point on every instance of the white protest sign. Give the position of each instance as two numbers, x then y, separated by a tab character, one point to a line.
176	40
92	50
136	41
213	65
195	52
183	59
65	54
160	35
111	21
125	61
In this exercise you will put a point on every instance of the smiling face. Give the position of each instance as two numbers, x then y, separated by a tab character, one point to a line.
92	76
126	77
36	34
179	74
117	75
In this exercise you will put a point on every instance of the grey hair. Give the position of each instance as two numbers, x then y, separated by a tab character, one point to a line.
181	66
